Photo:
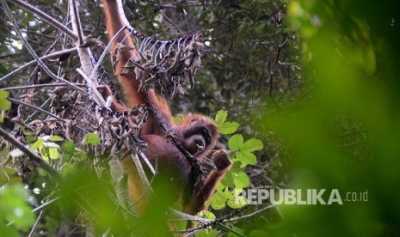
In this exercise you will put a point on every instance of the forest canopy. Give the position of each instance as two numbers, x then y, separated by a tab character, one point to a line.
302	94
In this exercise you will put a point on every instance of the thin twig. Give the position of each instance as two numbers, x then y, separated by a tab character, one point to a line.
43	205
194	230
238	218
229	229
31	50
147	162
35	224
141	172
188	217
38	86
32	156
76	22
51	55
85	56
104	53
98	99
9	55
219	222
32	115
36	108
42	15
169	21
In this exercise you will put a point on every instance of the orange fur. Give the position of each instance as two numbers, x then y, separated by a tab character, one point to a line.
197	133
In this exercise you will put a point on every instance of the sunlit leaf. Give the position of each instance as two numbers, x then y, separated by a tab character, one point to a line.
53	153
253	144
38	145
218	200
228	128
241	180
235	142
68	148
246	158
5	104
56	138
207	214
92	139
221	116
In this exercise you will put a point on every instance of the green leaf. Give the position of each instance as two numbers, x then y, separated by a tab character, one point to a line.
246	158
208	233
53	153
218	200
56	138
228	128
236	166
228	180
9	176
8	231
14	207
220	187
237	200
207	214
235	142
237	230
38	145
241	180
253	144
5	104
221	116
258	233
68	148
92	139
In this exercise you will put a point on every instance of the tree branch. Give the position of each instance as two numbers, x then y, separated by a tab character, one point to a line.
36	108
221	222
31	50
32	156
246	216
141	172
37	86
85	56
45	17
51	55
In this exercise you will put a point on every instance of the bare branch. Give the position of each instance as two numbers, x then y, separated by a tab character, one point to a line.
147	162
36	108
103	54
76	21
188	217
205	223
38	86
51	55
35	224
38	208
31	50
42	15
32	115
32	156
238	218
85	56
141	173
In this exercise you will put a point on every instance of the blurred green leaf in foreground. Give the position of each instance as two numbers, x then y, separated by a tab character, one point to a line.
343	132
15	213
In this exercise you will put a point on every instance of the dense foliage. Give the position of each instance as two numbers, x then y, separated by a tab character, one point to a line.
313	84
